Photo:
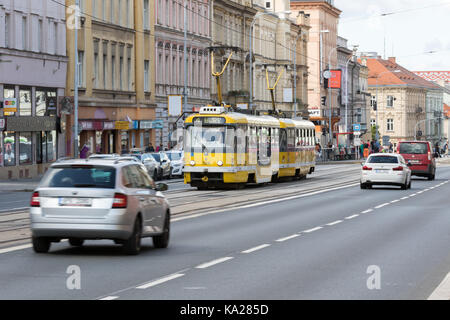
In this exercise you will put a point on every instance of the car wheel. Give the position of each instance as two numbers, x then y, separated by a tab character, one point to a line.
76	242
132	246
368	186
405	185
162	241
431	177
41	244
362	186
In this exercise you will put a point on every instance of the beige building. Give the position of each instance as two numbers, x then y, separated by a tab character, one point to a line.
322	44
116	75
401	110
277	38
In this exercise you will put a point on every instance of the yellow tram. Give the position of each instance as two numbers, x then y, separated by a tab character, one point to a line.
227	148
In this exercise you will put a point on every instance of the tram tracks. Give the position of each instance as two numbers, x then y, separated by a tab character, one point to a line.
15	226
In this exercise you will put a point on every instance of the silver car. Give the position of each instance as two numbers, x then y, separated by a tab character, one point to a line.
99	199
153	167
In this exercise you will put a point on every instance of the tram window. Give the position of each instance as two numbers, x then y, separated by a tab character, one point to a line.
291	139
283	140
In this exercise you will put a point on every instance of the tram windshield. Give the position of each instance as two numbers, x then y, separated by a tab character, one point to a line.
209	139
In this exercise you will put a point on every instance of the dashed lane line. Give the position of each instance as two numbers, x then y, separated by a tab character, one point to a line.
312	230
382	205
352	217
213	262
288	238
256	248
109	298
159	281
367	211
334	223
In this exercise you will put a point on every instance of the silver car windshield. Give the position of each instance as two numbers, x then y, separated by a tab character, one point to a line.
383	159
80	176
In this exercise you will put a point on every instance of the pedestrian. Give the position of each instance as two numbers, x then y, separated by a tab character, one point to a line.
150	148
391	147
445	150
157	148
437	149
84	152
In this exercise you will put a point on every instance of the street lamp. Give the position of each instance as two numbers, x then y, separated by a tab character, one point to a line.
355	48
258	15
376	101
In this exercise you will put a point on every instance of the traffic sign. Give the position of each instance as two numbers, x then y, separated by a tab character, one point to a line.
356	127
386	141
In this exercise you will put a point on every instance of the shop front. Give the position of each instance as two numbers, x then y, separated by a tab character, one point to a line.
98	136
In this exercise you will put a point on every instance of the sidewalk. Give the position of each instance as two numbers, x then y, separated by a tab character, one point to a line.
19	185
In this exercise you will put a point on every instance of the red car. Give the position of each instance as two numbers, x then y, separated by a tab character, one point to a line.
421	157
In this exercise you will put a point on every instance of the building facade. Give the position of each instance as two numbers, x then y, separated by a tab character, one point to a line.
116	75
33	66
322	55
277	38
170	60
403	100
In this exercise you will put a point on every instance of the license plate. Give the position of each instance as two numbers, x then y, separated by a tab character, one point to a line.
381	170
414	161
75	202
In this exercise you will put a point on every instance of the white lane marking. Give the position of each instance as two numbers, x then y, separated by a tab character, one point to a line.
442	292
367	211
214	262
382	205
159	281
109	298
190	216
25	246
312	230
413	195
428	189
256	248
404	198
394	201
419	192
287	238
352	217
334	223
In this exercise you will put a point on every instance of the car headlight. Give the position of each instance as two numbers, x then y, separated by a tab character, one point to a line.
192	163
219	163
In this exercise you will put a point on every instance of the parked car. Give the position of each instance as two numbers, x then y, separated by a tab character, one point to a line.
385	169
99	199
153	167
176	161
164	162
420	155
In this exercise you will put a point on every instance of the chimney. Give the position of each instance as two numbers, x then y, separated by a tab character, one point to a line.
392	59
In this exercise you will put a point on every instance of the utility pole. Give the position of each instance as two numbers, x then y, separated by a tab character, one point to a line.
75	120
185	60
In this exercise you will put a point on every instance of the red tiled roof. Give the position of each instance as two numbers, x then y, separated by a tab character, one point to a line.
434	75
380	68
446	110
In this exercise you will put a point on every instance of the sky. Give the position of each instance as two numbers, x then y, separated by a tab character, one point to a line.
420	27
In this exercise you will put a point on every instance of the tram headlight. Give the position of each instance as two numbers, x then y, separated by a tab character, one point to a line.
219	163
192	163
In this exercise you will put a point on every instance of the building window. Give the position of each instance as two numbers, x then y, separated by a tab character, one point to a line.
390	101
8	92
121	73
146	15
94	8
39	37
80	68
146	75
45	147
113	71
103	9
25	148
45	102
105	66
9	144
55	38
25	102
373	100
372	122
390	124
127	13
129	73
111	11
119	18
24	33
96	70
7	29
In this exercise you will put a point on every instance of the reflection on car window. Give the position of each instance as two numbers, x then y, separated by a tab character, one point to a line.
383	159
413	148
80	177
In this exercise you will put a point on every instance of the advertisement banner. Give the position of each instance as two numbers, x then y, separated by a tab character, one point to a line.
335	79
10	105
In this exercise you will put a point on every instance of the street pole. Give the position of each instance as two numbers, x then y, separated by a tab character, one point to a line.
77	3
185	60
295	74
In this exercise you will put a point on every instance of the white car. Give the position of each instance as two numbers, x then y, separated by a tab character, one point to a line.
177	162
385	169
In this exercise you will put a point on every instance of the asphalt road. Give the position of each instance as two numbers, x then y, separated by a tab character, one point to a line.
317	246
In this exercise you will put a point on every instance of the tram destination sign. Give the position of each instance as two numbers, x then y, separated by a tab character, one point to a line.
209	120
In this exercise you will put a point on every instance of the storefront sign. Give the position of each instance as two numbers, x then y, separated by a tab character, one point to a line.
109	125
149	124
10	105
31	124
122	125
